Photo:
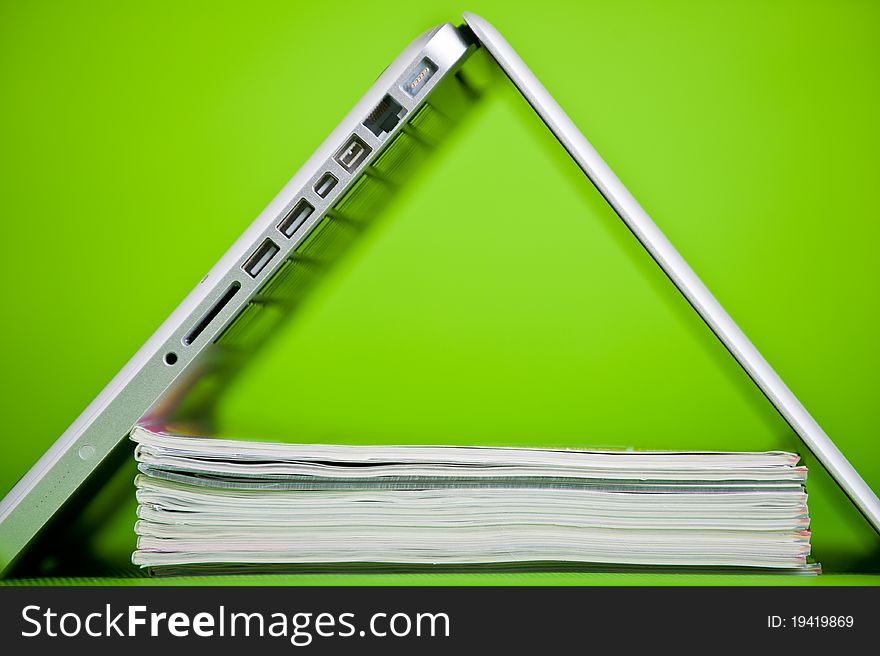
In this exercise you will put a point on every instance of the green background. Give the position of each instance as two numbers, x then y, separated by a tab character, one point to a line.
499	301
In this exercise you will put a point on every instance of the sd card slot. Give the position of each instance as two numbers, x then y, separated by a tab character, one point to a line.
211	314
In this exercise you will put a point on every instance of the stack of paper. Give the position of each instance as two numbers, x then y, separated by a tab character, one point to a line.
228	502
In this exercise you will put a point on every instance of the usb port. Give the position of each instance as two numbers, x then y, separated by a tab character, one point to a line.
325	185
261	257
384	117
353	153
419	77
297	216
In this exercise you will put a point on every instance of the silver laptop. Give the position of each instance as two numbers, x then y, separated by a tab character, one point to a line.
181	371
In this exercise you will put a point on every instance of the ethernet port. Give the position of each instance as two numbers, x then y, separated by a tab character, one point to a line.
384	117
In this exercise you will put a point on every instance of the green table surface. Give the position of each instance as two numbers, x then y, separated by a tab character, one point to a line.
494	579
499	300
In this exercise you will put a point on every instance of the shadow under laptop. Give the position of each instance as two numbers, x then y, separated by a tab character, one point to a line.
191	405
463	568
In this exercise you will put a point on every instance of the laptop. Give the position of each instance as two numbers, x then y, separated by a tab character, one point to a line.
182	369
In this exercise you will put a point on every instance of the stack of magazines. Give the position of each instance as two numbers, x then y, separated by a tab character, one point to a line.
216	502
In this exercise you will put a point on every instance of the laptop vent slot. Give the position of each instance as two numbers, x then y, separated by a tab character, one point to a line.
211	314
